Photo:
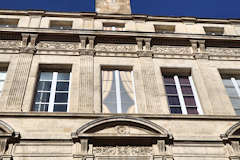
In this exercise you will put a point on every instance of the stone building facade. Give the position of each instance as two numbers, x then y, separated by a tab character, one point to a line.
114	85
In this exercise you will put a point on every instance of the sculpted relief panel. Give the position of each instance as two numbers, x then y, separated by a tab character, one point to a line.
116	47
58	45
223	51
10	44
171	49
123	150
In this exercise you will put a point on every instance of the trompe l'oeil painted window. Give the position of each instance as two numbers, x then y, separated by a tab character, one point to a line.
52	93
118	92
182	95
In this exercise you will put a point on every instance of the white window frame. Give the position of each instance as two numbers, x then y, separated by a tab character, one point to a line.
118	92
3	80
53	92
181	98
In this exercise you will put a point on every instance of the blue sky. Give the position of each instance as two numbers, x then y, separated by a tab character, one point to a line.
195	8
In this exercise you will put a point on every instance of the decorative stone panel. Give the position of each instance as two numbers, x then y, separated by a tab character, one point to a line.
116	47
223	51
123	150
58	45
10	44
157	49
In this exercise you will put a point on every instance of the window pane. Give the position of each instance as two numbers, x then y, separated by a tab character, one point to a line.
186	90
61	98
62	86
46	76
232	92
171	89
227	82
184	80
169	80
60	108
1	85
44	86
189	101
63	76
2	75
176	110
238	82
42	97
235	102
173	100
40	107
192	110
237	111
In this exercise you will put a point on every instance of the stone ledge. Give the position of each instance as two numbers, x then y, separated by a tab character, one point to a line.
101	115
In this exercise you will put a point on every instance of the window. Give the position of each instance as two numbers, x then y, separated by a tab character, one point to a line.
232	85
182	95
61	24
118	92
164	28
9	23
113	26
2	79
52	93
214	30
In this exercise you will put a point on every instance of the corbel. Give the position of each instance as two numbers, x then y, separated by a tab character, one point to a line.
83	41
161	146
202	46
25	37
199	49
91	40
33	39
84	146
194	44
3	145
148	43
139	43
28	46
235	145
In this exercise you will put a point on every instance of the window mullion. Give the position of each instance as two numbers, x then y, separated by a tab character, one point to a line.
180	95
134	92
196	98
235	84
118	94
53	92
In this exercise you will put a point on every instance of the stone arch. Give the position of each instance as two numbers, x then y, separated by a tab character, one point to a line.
7	138
122	135
233	131
231	139
5	128
121	119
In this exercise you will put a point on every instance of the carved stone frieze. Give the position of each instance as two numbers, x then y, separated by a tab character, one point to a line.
223	51
10	44
157	49
122	150
57	45
116	47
